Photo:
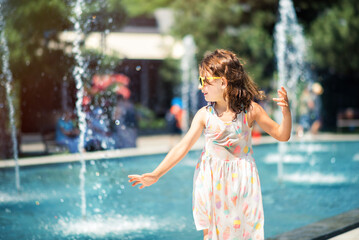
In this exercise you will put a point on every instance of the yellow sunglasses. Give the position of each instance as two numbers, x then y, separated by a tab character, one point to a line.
202	79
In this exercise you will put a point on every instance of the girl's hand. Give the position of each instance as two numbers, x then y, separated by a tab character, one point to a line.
146	179
282	101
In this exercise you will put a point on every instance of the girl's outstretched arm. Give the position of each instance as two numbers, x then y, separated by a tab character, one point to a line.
175	155
280	132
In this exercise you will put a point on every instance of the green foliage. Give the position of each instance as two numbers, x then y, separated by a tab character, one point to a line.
137	8
30	25
169	71
147	119
244	27
334	36
309	10
103	16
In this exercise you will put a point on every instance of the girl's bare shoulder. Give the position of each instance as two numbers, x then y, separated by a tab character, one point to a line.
202	111
201	115
254	107
254	110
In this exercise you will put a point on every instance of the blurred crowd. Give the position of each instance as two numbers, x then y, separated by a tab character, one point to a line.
103	131
115	130
310	105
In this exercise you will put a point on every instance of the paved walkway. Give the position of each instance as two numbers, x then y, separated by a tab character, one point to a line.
351	235
32	145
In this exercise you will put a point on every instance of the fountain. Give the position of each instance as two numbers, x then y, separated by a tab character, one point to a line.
290	49
189	81
78	73
9	80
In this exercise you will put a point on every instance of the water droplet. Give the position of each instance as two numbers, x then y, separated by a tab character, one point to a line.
97	174
332	160
138	68
117	122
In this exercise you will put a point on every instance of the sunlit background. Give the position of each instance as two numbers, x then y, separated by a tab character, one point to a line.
106	74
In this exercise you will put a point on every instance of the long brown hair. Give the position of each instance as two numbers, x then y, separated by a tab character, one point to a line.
240	90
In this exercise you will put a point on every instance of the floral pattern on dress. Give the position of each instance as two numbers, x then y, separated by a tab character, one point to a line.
227	197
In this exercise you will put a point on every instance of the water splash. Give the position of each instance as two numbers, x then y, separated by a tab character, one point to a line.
100	226
23	197
287	158
315	178
78	73
9	79
290	50
189	81
290	47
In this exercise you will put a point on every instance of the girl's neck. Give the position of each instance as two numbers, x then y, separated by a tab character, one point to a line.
222	107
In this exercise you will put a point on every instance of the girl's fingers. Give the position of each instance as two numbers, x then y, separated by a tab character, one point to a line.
134	178
282	104
278	99
281	93
282	100
135	183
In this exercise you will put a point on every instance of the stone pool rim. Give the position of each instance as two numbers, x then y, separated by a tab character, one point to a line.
152	148
323	229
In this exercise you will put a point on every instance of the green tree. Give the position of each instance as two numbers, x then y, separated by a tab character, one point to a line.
334	38
147	8
242	26
32	29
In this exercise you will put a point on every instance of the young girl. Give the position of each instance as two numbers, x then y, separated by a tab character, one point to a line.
227	199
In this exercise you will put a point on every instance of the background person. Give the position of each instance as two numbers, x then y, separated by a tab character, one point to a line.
67	132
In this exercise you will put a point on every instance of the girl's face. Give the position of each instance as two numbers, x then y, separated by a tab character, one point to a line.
212	89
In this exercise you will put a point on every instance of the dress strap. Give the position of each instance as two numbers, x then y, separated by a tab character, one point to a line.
210	112
210	108
245	117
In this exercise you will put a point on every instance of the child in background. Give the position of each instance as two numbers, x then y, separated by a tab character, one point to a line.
227	199
67	133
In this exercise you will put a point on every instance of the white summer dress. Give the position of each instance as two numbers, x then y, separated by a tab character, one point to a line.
227	198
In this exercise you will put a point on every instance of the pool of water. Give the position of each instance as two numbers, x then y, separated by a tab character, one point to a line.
319	180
